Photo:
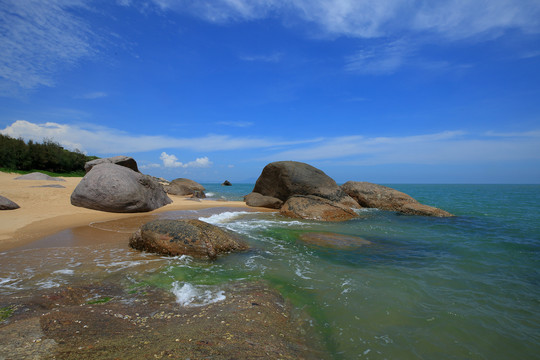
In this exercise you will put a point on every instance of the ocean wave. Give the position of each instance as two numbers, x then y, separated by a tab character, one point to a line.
196	295
224	217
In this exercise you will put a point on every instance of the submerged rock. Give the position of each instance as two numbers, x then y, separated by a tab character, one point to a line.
185	237
115	188
381	197
6	204
121	160
38	176
333	240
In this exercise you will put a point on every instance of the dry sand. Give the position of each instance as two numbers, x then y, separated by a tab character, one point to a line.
46	210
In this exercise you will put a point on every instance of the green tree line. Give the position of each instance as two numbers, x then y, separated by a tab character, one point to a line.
16	154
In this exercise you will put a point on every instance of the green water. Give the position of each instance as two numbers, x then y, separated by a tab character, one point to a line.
466	287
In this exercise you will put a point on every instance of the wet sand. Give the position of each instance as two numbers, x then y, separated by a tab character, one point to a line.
47	210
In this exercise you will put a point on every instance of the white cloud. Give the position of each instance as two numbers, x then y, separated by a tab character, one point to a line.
240	124
271	58
101	140
172	161
37	38
380	59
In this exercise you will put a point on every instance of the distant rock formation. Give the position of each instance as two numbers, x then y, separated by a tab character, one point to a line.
226	183
38	176
184	187
381	197
314	194
121	160
6	204
185	237
114	188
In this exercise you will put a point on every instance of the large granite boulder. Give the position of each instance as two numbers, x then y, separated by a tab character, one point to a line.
114	188
316	208
258	200
121	160
312	193
184	187
6	204
185	237
382	197
38	176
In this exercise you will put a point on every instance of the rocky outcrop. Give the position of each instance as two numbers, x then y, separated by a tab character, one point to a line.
38	176
258	200
185	237
316	208
226	183
6	204
316	195
381	197
184	187
121	160
114	188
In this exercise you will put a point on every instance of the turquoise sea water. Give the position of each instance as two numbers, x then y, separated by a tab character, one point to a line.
466	287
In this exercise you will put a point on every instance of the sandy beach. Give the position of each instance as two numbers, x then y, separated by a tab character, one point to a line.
46	210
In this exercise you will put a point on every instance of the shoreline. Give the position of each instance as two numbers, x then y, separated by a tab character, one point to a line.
45	211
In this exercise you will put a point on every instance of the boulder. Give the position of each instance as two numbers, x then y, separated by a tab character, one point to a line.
316	208
258	200
114	188
6	204
382	197
183	187
126	161
185	237
283	179
226	183
38	176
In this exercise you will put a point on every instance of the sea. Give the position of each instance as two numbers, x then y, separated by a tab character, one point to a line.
465	287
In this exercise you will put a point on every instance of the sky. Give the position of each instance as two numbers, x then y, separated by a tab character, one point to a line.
387	91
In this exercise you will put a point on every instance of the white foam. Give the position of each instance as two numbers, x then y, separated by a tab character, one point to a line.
210	194
47	284
64	272
198	295
300	274
223	217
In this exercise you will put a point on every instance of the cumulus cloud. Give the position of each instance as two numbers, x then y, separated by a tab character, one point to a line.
171	161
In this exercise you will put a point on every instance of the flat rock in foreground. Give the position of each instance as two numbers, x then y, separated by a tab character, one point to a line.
185	237
382	197
106	321
6	204
115	188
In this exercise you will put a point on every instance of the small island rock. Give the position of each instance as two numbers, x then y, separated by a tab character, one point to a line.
185	237
226	183
114	188
121	160
6	204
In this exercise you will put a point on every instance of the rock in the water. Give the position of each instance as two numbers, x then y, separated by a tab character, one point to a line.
6	204
332	240
38	176
381	197
226	183
185	237
114	188
283	179
258	200
183	187
121	160
316	208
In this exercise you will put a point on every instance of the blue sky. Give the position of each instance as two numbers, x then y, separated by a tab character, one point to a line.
385	91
